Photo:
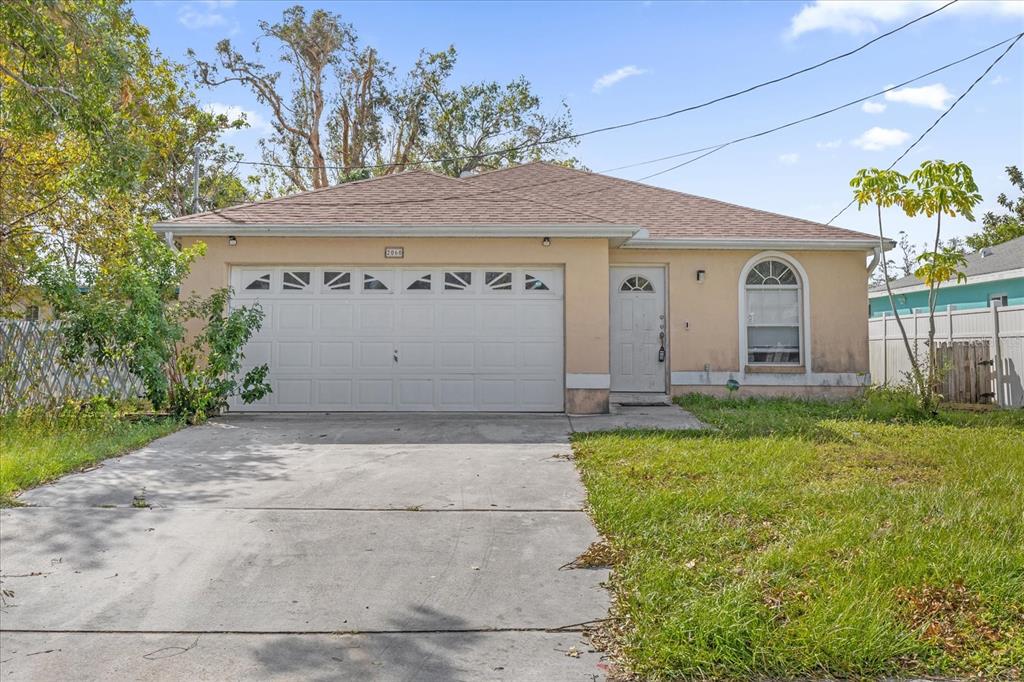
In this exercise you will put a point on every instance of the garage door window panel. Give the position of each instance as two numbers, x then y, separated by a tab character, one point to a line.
337	280
535	283
418	281
295	280
256	281
497	280
460	280
376	282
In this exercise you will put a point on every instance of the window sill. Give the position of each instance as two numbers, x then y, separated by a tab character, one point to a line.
773	369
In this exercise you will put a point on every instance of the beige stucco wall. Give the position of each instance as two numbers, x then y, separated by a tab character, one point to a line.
585	262
837	288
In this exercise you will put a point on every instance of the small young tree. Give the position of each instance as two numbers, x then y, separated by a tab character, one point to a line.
940	188
885	188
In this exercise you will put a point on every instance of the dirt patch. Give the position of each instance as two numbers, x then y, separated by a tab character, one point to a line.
950	617
599	555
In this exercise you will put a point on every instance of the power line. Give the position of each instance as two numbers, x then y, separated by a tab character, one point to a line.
711	149
941	116
703	151
619	126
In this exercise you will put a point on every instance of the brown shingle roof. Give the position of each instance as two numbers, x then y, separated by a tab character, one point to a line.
665	213
414	197
532	194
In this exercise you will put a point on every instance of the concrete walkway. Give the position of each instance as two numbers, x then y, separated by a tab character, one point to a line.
317	546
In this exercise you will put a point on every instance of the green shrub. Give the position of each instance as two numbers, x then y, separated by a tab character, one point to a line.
203	373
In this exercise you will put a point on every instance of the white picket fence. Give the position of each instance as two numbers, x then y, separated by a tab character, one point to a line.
1001	326
32	371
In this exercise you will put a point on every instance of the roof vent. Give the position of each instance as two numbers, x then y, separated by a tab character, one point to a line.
986	252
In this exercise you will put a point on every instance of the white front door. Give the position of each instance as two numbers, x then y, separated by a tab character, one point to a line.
341	338
638	341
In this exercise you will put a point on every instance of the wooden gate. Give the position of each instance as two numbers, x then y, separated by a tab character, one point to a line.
965	371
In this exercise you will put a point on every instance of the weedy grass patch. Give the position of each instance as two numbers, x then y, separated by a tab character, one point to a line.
811	539
39	446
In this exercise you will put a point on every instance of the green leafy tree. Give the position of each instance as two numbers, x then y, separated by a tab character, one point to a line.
886	188
309	48
375	122
96	129
124	308
483	126
114	309
997	229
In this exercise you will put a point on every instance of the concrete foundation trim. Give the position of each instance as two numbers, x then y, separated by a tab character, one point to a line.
810	379
588	381
586	400
814	392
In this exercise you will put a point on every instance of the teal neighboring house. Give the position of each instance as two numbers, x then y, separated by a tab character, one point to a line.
995	273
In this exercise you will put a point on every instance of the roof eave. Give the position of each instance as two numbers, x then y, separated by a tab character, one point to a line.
746	243
594	230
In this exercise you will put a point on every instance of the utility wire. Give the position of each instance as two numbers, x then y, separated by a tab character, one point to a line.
619	126
717	147
941	116
703	151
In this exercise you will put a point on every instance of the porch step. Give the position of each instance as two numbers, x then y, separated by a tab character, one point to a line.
638	399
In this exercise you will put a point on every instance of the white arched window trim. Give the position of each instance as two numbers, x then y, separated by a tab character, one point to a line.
805	313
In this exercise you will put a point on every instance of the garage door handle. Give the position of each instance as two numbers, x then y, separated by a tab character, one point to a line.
396	355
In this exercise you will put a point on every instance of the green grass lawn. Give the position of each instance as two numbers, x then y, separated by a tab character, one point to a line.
39	448
801	539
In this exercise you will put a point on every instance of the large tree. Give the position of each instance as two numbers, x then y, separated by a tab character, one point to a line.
369	120
996	229
95	126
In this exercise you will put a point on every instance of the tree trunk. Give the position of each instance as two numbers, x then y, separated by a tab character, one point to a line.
916	368
932	300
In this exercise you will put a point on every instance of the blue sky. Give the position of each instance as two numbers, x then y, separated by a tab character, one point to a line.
615	62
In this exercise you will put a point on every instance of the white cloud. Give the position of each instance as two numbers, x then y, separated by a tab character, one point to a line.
871	107
256	122
204	14
610	79
999	80
829	144
789	159
876	139
868	16
932	96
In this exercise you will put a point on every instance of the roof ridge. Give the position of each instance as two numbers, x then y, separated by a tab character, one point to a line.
294	195
717	201
687	194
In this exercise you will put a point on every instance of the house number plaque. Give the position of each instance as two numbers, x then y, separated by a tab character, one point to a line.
394	252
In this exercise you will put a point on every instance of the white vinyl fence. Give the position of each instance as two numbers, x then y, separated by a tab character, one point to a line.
1002	327
33	373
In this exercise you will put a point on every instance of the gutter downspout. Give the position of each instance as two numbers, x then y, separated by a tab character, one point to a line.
876	256
169	239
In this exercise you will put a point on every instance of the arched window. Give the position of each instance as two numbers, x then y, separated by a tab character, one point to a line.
773	308
637	283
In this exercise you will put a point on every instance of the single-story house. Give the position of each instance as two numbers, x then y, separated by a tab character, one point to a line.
534	288
994	274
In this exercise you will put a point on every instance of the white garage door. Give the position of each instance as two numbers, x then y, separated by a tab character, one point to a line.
457	338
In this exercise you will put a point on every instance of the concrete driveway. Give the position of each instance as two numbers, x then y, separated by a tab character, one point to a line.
393	547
